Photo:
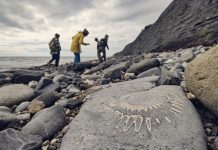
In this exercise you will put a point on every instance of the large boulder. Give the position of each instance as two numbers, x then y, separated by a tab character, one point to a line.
15	94
202	80
130	116
11	139
143	65
45	100
47	122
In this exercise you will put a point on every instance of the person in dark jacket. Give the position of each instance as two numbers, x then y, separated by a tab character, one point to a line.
103	44
55	48
98	50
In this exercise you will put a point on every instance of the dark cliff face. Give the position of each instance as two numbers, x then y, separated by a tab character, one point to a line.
183	24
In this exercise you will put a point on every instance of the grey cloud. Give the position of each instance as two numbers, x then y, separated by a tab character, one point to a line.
22	14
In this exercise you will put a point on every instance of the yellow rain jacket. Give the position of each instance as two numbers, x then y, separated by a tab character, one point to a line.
77	40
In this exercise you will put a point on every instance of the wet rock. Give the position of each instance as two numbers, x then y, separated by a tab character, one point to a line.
6	78
115	71
143	65
11	139
15	94
61	78
23	106
100	67
168	78
46	100
6	117
79	66
202	80
151	72
117	115
47	122
33	84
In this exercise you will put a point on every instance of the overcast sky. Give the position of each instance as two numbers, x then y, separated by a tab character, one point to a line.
26	26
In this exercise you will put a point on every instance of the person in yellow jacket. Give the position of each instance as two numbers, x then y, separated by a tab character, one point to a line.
77	41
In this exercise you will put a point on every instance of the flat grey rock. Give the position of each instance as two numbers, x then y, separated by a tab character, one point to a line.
123	116
151	72
143	65
47	122
11	139
15	94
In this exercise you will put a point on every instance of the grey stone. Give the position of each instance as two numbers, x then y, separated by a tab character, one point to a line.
72	89
33	84
61	78
91	77
47	122
187	55
51	75
143	65
134	117
181	25
103	81
25	76
151	72
43	83
25	116
202	80
11	139
169	77
49	88
15	94
100	67
45	100
81	66
173	60
115	71
23	106
6	117
71	104
152	79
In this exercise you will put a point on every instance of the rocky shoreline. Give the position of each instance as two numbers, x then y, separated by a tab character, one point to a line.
39	104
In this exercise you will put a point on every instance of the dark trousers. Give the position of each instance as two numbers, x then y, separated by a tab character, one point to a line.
77	57
103	57
55	57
